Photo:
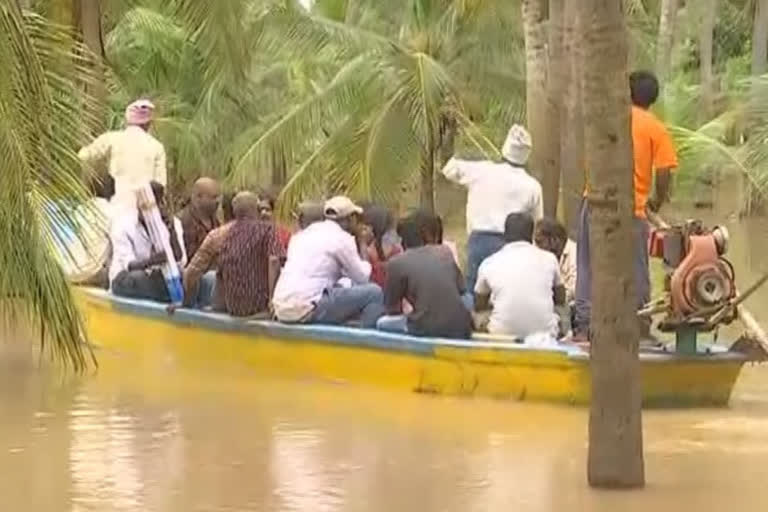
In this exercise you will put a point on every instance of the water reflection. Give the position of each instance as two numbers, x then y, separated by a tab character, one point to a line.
132	445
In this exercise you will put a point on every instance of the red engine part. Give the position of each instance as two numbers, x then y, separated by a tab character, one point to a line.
702	279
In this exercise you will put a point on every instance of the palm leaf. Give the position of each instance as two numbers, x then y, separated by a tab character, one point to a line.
41	121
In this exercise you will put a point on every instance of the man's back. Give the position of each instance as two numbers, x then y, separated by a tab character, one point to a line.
495	190
432	283
316	259
520	279
243	266
652	148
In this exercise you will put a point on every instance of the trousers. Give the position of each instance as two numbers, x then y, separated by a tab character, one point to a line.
583	299
340	305
480	245
139	284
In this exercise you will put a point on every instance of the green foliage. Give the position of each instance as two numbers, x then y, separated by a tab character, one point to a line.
44	114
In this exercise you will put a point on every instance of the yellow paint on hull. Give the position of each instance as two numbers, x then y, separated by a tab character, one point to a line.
497	372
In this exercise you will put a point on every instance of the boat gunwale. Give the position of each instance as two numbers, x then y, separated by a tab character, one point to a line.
369	338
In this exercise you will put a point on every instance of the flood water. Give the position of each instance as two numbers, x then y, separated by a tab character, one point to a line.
127	441
121	439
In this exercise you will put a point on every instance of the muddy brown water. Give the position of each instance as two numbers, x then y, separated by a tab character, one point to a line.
133	441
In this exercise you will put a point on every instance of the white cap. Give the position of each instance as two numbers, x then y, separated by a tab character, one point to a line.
340	207
517	147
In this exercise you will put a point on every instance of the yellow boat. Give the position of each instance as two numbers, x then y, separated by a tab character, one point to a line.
490	368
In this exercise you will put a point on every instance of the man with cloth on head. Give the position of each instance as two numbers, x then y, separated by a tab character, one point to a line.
135	156
494	190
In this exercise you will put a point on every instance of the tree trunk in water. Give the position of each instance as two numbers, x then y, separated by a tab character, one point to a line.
760	38
534	25
557	77
615	427
572	141
706	28
665	40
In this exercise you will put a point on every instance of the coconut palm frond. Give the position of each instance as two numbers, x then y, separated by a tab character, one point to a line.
42	102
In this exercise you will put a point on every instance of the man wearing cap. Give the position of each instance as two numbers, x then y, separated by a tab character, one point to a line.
494	190
320	255
135	156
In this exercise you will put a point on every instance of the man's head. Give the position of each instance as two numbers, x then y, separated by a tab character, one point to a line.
420	228
266	206
205	196
551	236
517	146
342	210
308	213
644	88
226	206
140	113
518	228
245	206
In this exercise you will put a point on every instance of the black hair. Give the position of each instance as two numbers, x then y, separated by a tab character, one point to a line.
418	223
102	186
518	227
551	236
644	88
226	206
380	219
158	190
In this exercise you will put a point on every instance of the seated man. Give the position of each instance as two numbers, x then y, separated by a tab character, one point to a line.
135	268
522	284
427	277
198	218
240	250
318	256
552	236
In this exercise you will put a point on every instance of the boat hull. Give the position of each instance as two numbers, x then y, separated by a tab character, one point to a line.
146	335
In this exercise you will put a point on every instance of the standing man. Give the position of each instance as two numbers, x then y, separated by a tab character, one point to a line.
135	156
199	217
494	190
653	150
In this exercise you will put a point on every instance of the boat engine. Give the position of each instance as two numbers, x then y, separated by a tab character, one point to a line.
699	281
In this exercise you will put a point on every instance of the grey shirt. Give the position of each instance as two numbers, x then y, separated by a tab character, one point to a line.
429	279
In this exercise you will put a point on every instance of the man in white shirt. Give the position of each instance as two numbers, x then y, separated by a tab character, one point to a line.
135	268
494	190
135	156
522	284
320	255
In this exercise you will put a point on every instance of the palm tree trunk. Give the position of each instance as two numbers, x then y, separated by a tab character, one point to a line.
89	22
427	178
534	25
279	169
664	43
615	428
572	139
557	77
760	38
706	29
87	13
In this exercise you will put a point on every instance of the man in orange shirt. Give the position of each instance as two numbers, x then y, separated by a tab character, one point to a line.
653	150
